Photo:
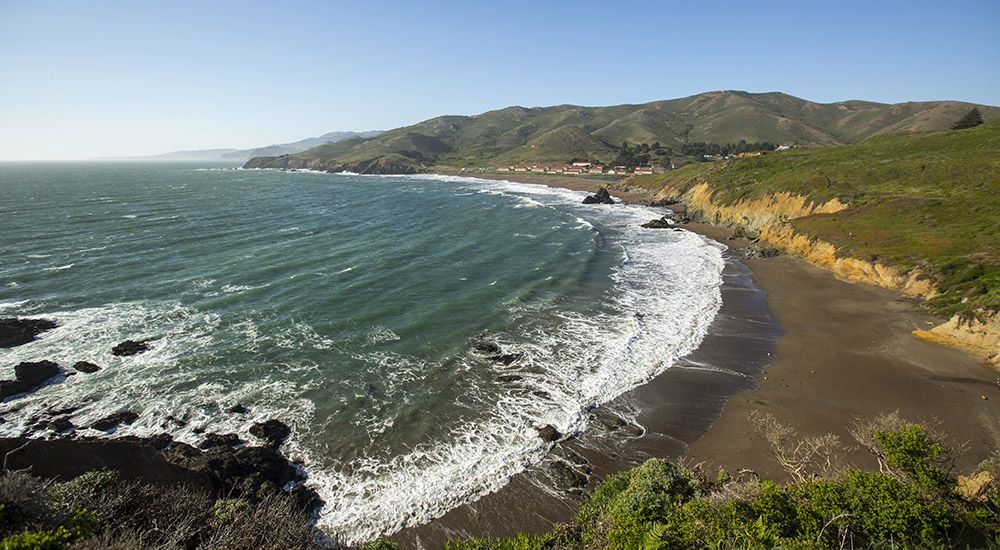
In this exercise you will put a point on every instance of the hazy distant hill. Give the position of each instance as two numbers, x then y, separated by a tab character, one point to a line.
555	134
244	154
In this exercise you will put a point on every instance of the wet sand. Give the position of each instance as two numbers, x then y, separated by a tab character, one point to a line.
791	340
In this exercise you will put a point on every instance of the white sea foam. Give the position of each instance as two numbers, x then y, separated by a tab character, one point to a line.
58	268
4	306
346	269
130	216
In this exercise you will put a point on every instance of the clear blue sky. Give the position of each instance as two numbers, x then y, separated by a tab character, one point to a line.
82	79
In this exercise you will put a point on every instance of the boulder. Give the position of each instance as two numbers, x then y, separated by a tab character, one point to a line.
239	409
86	366
664	202
16	332
508	378
487	347
28	377
274	432
114	420
130	347
600	197
661	223
549	432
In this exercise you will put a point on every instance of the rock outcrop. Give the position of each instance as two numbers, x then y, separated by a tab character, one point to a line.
660	223
86	367
130	347
17	332
28	376
273	432
600	197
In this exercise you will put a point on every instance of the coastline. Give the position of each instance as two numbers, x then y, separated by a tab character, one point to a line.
847	352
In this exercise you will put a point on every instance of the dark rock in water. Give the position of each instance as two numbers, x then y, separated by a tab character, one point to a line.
600	197
306	498
16	332
274	432
130	347
28	377
507	358
220	440
487	347
549	433
662	223
115	420
62	425
238	409
508	378
566	476
179	421
608	419
86	366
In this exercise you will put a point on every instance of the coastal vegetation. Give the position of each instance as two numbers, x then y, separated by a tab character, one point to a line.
914	499
925	201
555	134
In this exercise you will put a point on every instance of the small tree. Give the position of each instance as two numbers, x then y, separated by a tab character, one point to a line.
971	119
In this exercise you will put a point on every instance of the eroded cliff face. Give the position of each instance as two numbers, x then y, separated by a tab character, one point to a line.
768	217
980	333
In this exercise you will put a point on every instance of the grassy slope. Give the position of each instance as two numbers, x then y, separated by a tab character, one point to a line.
555	134
929	199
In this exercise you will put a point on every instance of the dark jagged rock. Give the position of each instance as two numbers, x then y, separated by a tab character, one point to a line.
238	409
129	348
507	358
600	197
28	377
86	366
114	420
549	433
759	251
274	432
661	223
507	378
220	440
16	332
62	425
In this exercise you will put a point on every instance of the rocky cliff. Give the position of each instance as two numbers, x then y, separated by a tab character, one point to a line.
767	218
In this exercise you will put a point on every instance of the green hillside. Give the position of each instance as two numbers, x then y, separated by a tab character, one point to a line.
555	134
927	199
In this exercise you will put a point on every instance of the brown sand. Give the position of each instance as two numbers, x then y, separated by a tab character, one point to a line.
846	352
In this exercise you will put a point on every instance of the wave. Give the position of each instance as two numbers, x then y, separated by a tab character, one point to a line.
58	268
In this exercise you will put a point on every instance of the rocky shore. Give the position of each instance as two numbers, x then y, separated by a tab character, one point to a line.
223	464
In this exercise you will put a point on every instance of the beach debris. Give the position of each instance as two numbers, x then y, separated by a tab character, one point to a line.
28	376
273	432
661	223
112	421
130	347
15	332
600	197
549	432
86	367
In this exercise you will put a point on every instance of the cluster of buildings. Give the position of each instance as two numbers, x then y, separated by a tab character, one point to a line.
579	168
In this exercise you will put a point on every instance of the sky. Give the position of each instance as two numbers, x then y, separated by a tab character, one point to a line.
101	78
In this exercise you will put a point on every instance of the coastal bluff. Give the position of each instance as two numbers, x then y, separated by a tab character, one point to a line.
378	165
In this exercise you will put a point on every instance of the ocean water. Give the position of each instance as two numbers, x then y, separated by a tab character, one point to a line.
346	306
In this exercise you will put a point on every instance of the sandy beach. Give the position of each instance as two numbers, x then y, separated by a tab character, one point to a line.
791	340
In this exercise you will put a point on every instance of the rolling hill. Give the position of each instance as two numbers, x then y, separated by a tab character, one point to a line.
556	134
243	155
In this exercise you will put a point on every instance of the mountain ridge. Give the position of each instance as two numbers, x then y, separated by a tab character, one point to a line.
246	154
557	133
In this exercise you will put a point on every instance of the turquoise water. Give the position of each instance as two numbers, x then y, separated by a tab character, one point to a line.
346	306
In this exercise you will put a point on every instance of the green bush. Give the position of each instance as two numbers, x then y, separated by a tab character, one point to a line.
918	456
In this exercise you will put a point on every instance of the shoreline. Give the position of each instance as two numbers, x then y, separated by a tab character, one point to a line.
847	352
